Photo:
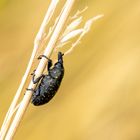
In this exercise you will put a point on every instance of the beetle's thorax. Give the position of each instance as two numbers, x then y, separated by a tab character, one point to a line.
57	71
59	65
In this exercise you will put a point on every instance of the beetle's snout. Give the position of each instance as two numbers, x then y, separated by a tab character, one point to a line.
60	54
60	57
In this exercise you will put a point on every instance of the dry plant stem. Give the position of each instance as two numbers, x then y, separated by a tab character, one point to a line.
42	64
9	114
49	14
37	41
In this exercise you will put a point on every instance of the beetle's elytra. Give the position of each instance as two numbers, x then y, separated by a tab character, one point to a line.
48	84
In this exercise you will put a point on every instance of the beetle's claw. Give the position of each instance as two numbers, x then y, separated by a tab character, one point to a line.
28	89
40	57
33	73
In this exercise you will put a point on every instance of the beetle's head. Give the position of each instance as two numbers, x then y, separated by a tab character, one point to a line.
59	64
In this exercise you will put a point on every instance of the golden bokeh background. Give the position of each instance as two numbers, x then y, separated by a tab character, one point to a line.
99	98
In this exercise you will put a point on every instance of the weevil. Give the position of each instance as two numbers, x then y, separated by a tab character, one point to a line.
48	84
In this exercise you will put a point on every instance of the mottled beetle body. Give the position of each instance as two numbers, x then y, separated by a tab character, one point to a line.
49	83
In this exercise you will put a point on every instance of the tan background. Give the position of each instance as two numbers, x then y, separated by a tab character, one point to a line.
99	98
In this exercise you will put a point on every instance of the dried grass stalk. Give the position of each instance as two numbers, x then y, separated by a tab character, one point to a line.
37	42
56	41
40	68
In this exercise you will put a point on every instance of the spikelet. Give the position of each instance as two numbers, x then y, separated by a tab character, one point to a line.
72	26
78	13
72	31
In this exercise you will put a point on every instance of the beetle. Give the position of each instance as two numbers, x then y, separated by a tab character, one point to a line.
48	84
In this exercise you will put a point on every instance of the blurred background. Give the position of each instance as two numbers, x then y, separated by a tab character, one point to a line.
99	97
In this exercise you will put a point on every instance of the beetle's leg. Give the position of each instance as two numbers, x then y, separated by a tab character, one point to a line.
49	64
49	61
33	72
37	93
37	79
40	57
30	89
